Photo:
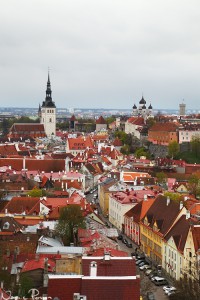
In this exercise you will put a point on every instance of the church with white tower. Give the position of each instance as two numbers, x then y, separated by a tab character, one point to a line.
47	112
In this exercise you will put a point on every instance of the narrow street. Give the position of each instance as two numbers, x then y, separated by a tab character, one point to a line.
146	283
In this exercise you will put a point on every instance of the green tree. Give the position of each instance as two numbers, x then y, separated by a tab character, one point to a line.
26	283
194	184
173	149
71	218
35	192
141	152
122	136
173	196
161	177
125	149
195	143
110	119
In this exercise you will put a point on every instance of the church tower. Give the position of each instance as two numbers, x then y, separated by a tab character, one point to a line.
48	112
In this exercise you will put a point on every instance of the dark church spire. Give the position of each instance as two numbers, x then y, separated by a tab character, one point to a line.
48	99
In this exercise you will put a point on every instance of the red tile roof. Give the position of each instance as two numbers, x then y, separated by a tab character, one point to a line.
100	120
18	205
34	264
112	267
169	126
80	143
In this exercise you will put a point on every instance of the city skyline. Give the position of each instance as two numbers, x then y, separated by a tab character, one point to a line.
103	54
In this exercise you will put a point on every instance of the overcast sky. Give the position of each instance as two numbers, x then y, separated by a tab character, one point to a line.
101	53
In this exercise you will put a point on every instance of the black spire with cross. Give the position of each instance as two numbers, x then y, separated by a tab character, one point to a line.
48	99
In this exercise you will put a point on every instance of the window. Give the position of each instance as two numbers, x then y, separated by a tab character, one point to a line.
6	225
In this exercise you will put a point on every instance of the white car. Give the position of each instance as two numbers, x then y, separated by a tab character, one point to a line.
143	267
168	288
170	291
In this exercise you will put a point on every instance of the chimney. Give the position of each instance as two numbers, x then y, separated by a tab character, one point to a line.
187	215
37	257
181	205
106	256
145	197
168	200
46	265
93	268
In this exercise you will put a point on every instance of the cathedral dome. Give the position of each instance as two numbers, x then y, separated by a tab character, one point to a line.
142	101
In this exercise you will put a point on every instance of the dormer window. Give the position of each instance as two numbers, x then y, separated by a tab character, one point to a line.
155	227
6	225
146	221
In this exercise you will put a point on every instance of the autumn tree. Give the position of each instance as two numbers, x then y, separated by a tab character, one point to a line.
173	149
71	218
194	184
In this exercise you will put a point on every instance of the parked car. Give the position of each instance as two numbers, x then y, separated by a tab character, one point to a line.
95	195
150	296
129	245
142	264
124	241
139	261
120	237
148	271
169	290
143	267
171	293
159	280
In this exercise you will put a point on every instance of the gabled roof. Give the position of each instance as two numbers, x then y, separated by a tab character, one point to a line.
80	143
163	213
8	149
179	232
196	237
100	120
19	205
169	127
139	210
34	264
136	121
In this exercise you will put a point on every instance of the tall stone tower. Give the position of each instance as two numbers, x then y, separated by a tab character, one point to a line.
182	109
47	112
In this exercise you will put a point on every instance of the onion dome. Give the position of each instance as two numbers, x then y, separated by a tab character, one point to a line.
150	106
134	106
144	107
142	101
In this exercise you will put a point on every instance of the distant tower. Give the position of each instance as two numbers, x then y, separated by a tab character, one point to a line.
48	112
182	109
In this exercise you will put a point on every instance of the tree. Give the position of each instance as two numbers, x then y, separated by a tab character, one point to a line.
161	177
141	152
26	283
195	142
173	196
125	150
194	184
121	135
173	149
71	218
186	290
35	192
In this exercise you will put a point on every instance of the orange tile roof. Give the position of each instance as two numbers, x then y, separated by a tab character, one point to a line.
80	143
131	176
